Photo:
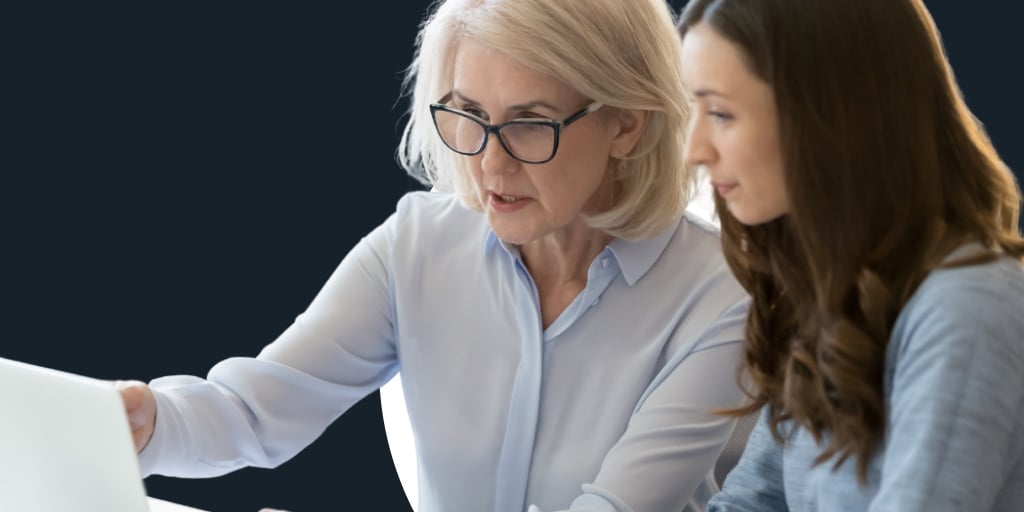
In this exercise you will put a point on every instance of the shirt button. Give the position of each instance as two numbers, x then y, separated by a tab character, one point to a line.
604	262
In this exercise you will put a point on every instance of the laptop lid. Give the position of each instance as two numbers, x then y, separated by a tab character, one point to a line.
65	444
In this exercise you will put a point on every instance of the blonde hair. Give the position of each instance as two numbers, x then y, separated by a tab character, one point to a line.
622	53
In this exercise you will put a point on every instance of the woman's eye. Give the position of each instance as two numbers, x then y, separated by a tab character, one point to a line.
472	110
719	117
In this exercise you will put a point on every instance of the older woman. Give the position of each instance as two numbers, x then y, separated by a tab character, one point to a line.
562	328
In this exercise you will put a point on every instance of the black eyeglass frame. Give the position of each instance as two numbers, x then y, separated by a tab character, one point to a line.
556	126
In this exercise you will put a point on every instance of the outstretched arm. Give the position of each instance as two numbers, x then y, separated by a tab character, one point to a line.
263	411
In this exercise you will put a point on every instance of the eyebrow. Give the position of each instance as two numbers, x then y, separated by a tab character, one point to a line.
530	105
704	93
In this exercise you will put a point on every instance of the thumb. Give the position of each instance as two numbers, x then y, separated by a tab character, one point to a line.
134	398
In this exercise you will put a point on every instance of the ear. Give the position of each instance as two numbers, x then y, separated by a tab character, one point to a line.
630	124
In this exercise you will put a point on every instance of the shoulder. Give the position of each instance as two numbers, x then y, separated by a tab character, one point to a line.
692	277
697	243
702	224
965	309
427	228
970	292
431	205
694	253
435	216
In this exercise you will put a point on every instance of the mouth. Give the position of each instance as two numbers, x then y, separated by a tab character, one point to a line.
506	203
505	198
723	189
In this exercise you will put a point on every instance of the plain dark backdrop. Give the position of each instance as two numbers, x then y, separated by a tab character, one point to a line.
179	179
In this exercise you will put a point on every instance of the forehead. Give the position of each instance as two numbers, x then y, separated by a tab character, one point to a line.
710	61
485	74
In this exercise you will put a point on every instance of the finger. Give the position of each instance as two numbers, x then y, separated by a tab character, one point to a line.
131	395
139	410
139	437
135	396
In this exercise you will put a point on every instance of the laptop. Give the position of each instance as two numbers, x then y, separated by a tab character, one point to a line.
65	445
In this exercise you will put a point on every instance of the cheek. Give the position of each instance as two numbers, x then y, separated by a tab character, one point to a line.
590	161
771	163
757	153
577	168
770	182
565	190
779	187
472	167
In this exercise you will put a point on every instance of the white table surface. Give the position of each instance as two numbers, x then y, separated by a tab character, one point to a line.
158	505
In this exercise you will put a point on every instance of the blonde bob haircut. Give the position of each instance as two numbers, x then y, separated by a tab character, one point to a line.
622	53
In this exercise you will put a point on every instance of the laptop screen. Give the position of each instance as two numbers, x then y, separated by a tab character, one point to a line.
65	444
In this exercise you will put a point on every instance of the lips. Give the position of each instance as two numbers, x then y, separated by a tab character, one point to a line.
723	188
506	203
507	198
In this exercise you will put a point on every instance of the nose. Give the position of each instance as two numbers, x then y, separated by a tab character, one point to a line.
495	160
699	149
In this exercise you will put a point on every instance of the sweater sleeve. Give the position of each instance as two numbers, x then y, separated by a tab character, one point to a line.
955	390
756	483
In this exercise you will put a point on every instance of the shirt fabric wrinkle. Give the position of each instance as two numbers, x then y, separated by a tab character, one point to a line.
478	370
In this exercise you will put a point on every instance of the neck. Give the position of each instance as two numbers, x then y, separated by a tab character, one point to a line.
563	256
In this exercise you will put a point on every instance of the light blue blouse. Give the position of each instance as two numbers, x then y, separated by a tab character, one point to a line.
954	386
605	410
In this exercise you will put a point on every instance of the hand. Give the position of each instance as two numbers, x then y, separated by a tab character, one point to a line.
140	406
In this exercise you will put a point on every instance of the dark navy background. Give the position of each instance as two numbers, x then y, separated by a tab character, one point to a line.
178	180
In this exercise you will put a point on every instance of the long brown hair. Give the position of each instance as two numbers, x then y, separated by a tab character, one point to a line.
886	171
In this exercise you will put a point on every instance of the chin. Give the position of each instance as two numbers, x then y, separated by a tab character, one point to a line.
518	235
510	234
749	218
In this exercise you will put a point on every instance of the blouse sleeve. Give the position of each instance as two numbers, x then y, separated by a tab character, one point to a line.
262	411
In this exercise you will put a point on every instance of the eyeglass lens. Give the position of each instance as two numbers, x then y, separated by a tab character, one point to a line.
528	141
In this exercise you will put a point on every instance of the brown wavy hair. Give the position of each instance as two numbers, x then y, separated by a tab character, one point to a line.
887	171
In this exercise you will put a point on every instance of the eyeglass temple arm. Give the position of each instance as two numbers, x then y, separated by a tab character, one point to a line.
587	110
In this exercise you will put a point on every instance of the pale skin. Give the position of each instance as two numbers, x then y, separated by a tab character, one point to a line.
556	244
734	131
537	207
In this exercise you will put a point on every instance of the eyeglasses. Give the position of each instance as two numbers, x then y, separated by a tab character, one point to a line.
529	140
